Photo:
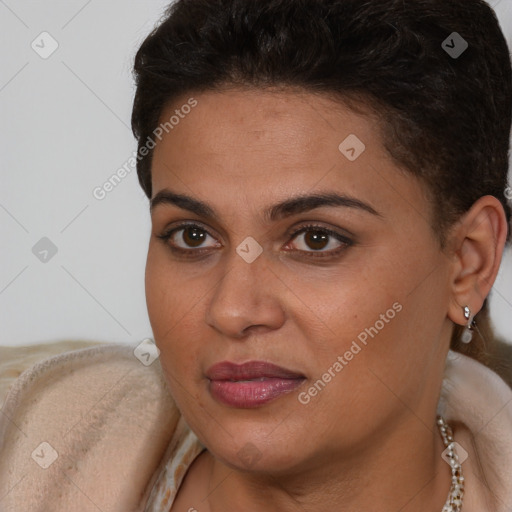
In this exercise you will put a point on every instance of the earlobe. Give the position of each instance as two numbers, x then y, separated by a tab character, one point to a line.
479	239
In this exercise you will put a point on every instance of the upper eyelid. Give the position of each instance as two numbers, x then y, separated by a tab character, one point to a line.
319	227
188	224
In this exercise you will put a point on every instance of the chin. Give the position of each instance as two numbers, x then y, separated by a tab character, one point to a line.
254	447
249	457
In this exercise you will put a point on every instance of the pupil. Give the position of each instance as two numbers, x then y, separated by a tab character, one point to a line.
316	238
193	236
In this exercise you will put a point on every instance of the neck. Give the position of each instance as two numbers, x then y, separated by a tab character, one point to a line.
400	470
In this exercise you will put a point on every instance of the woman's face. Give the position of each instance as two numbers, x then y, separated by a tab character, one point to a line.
353	308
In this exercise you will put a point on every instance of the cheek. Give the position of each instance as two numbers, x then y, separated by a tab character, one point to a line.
170	294
349	303
371	315
173	304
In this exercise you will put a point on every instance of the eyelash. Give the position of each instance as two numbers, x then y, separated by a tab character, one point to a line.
191	253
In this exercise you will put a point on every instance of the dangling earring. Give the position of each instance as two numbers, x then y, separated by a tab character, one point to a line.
467	333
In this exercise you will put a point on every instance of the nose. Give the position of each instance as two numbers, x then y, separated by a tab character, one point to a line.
246	299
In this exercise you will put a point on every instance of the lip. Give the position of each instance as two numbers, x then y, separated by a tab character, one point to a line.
250	384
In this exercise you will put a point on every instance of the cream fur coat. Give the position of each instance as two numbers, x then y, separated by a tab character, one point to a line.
107	430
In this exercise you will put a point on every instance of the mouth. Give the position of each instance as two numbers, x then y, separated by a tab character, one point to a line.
250	384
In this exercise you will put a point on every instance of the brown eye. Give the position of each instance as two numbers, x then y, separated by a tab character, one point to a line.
319	241
187	238
193	237
316	239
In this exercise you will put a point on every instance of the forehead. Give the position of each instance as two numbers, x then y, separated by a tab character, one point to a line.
253	144
295	123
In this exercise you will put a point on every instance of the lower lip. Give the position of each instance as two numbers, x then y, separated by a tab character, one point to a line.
252	393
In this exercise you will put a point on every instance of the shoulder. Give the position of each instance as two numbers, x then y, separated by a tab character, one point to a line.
480	401
15	360
83	430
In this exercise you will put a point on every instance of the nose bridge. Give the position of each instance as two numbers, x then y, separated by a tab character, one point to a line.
244	296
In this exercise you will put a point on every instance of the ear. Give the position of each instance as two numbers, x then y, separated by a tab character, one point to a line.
477	243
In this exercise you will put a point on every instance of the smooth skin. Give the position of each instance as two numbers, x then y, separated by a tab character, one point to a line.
368	440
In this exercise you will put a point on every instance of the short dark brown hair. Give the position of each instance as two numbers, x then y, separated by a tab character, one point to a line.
446	118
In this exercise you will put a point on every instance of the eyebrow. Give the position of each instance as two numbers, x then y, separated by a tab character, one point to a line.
282	210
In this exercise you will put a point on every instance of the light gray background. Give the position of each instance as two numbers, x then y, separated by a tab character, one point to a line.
65	130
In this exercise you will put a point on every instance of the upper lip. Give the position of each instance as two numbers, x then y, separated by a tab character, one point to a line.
227	370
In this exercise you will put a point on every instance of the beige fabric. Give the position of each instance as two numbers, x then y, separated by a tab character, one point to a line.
477	397
15	360
109	419
122	445
182	451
